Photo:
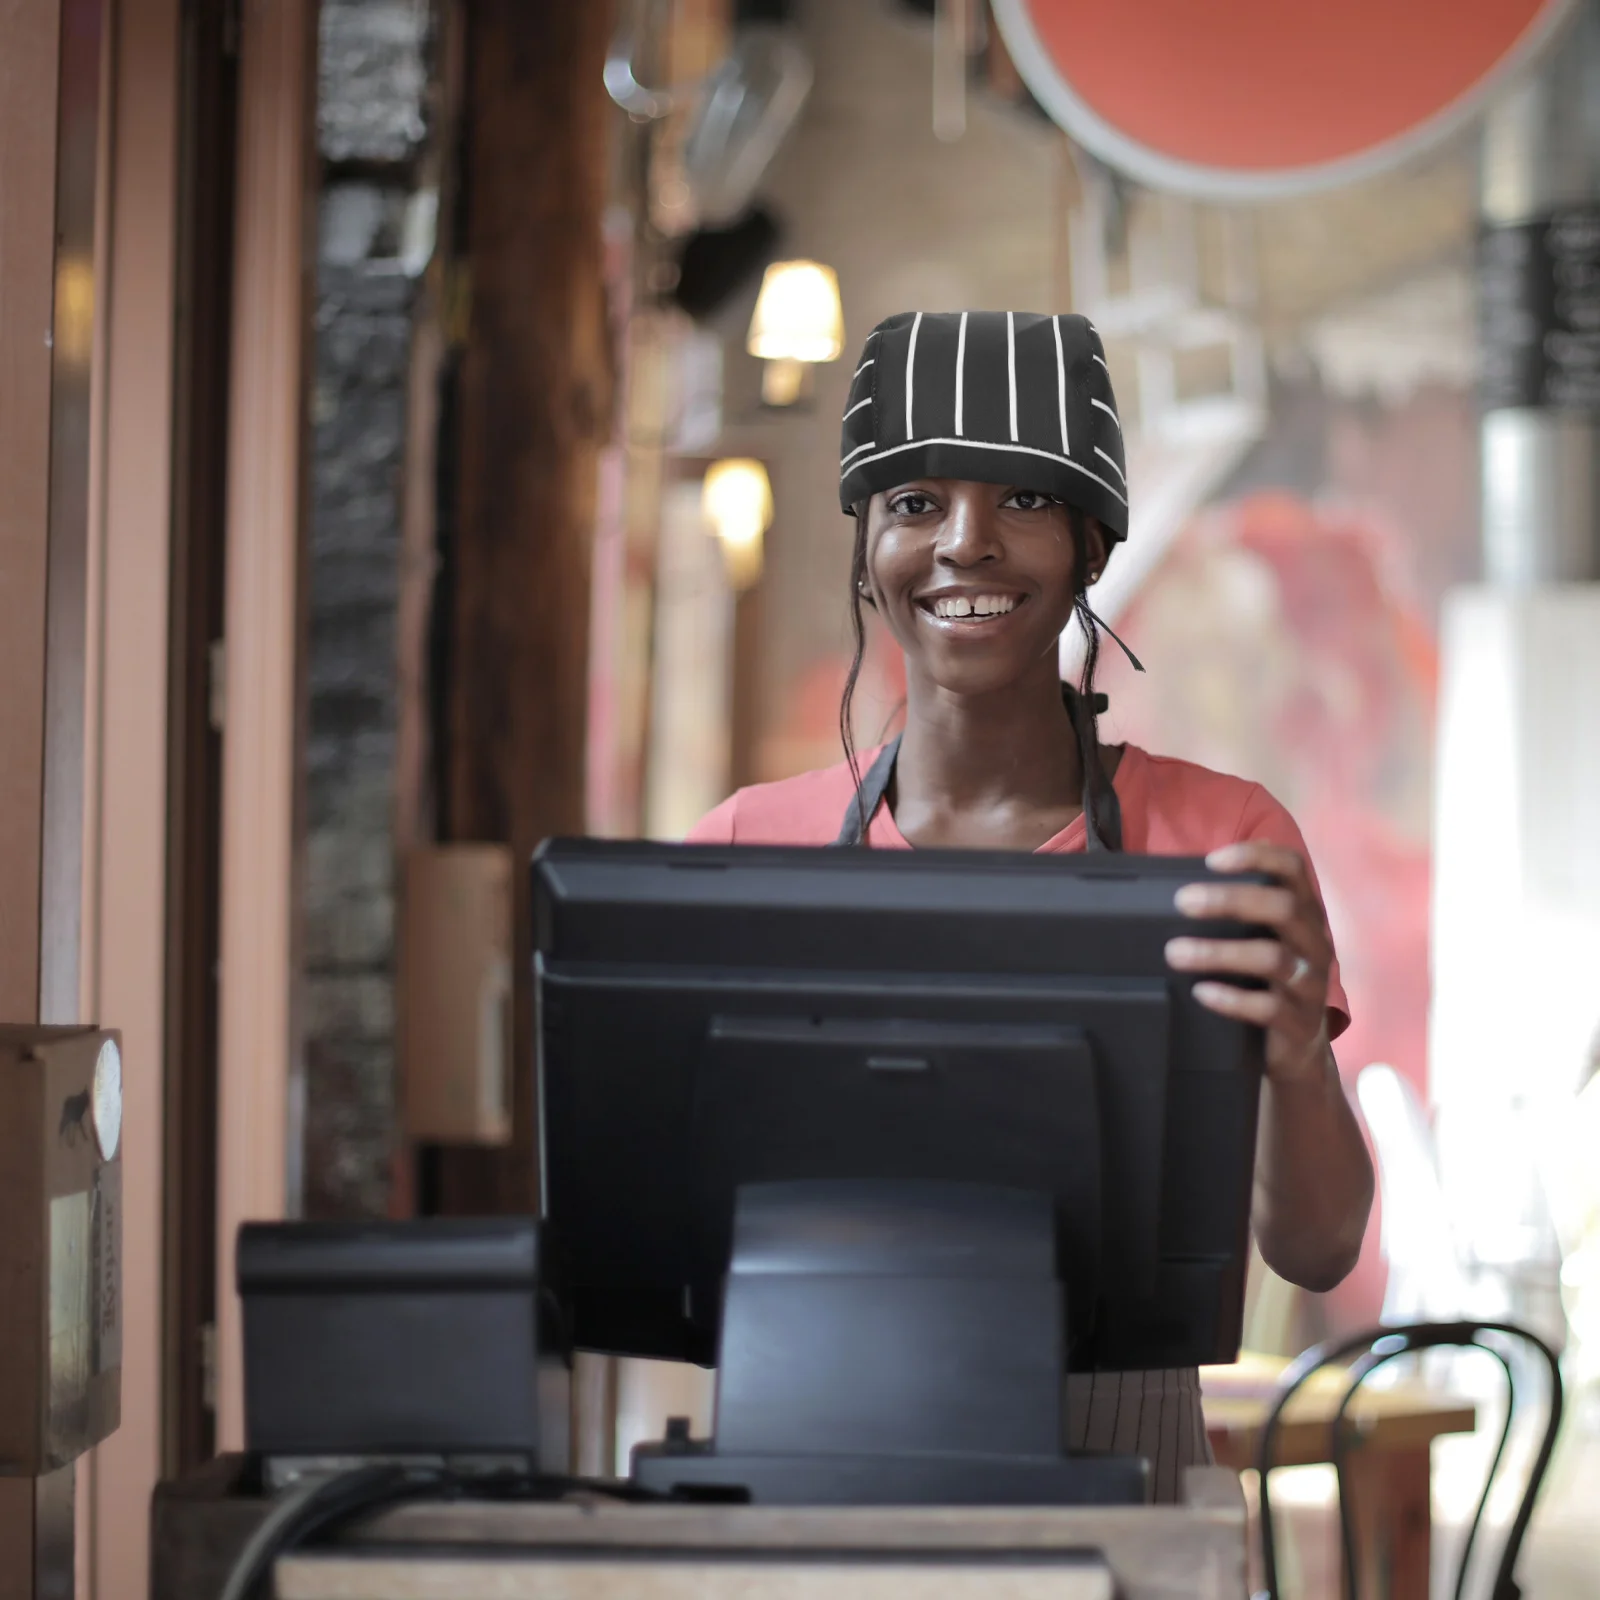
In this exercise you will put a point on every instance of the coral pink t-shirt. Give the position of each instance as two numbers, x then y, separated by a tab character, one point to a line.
1169	808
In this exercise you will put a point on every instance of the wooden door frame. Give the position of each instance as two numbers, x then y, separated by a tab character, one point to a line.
125	914
263	621
48	344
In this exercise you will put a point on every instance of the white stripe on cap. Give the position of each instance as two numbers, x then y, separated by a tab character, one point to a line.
987	444
1061	387
961	360
911	369
1112	464
1109	410
1011	370
869	445
1103	366
863	367
857	406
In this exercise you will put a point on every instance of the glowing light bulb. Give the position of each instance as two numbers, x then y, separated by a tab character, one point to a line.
736	497
798	316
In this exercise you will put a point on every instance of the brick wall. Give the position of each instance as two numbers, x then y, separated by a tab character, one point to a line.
371	123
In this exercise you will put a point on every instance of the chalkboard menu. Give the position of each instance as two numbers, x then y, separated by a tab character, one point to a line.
1539	312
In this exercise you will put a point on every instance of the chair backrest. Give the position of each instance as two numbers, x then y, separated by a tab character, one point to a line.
1366	1353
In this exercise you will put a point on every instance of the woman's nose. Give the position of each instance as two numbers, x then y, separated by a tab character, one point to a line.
968	534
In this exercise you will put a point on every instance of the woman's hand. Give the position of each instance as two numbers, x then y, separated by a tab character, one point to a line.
1296	964
1314	1180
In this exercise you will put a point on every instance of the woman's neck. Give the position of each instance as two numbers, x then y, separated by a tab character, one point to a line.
987	768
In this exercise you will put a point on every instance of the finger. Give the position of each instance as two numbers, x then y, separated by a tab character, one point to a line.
1293	978
1300	924
1262	855
1266	1008
1248	958
1288	866
1304	977
1239	902
1266	959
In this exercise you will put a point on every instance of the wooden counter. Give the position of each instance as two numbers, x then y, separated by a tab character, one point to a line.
600	1549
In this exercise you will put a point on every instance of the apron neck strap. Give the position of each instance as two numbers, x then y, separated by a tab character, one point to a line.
868	797
1102	811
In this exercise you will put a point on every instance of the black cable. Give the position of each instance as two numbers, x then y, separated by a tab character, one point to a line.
320	1502
1401	1340
311	1504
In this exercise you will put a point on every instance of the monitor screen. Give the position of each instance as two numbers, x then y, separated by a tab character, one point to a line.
716	1016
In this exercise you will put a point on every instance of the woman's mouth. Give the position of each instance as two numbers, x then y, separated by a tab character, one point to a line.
975	609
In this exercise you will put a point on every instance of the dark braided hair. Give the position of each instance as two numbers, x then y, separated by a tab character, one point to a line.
1102	818
858	633
1102	822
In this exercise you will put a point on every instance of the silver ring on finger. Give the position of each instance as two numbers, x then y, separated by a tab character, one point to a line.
1297	972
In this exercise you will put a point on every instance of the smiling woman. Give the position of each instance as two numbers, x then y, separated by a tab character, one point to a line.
974	630
982	462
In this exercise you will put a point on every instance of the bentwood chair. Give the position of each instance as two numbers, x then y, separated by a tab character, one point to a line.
1366	1353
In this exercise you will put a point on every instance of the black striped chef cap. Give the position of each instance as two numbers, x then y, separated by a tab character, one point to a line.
990	396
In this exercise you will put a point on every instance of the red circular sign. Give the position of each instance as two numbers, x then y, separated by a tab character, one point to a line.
1263	98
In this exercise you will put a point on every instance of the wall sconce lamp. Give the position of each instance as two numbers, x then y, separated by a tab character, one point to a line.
798	321
736	498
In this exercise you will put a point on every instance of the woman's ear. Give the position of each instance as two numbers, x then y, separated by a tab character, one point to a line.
1096	547
862	511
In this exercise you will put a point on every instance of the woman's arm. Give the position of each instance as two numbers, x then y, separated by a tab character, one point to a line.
1314	1180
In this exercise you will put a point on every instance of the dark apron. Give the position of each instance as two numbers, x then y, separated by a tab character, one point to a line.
1106	834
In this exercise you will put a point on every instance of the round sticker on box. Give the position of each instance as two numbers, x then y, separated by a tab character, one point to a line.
106	1095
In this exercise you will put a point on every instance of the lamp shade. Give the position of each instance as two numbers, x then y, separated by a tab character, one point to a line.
798	316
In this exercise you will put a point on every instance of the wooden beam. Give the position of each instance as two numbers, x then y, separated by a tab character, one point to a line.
265	516
51	67
125	917
29	92
535	409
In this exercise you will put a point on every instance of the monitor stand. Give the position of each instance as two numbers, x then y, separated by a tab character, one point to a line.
889	1343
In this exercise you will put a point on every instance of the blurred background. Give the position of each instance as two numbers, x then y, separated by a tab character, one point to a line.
435	449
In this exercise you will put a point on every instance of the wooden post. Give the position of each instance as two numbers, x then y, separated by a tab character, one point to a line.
51	70
262	622
535	402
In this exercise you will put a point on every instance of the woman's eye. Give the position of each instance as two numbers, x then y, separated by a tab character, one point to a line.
910	505
1031	500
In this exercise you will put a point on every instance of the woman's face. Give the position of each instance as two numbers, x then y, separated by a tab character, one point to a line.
974	580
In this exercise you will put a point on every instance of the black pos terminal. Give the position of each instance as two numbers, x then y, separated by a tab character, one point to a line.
895	1140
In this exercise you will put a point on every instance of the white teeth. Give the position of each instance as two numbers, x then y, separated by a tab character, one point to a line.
982	605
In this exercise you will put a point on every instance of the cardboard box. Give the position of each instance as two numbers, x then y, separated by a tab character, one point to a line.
455	994
60	1245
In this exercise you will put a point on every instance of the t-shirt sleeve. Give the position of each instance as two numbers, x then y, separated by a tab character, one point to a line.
716	826
1264	818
